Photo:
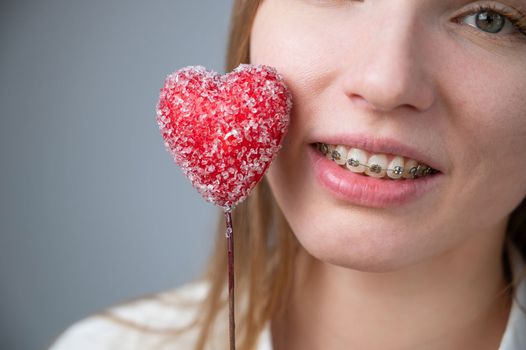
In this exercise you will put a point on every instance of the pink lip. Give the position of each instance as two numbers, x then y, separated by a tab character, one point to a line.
365	190
385	145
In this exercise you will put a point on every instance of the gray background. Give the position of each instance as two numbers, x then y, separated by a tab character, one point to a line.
93	211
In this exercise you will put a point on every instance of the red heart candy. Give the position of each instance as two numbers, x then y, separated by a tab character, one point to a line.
224	131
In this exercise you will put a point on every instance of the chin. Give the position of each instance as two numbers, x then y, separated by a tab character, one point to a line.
361	251
355	242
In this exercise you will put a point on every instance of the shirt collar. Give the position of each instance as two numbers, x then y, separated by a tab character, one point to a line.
514	337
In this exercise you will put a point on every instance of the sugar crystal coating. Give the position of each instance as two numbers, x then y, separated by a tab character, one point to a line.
224	130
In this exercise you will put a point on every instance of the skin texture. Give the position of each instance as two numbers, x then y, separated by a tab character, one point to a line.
426	274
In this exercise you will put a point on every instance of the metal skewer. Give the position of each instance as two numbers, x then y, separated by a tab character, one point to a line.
230	249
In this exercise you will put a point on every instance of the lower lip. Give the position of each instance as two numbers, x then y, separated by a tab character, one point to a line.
366	190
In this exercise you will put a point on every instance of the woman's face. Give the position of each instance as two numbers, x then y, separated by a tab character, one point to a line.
445	78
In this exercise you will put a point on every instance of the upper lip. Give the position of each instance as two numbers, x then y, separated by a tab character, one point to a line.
381	144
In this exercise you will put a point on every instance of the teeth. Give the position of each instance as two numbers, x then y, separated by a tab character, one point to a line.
339	155
323	148
355	158
409	168
396	167
375	165
330	148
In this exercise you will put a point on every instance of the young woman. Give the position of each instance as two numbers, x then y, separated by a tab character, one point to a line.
394	216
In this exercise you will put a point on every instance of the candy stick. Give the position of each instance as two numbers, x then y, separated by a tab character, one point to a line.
224	131
230	252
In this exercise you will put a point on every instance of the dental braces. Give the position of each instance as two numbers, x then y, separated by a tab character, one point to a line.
417	171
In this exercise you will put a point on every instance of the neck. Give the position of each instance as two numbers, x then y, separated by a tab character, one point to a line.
451	301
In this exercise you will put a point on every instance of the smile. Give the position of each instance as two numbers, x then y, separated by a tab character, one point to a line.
375	165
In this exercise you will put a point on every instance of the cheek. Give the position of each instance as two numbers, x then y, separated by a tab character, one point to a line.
297	42
292	40
486	135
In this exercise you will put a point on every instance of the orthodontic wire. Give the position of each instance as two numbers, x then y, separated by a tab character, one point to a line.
414	171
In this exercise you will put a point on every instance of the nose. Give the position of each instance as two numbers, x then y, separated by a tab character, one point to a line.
389	70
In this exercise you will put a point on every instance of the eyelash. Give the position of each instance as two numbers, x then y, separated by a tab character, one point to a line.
516	19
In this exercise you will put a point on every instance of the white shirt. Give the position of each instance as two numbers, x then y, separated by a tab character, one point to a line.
166	310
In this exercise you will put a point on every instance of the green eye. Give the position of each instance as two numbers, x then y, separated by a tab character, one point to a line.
493	21
490	21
